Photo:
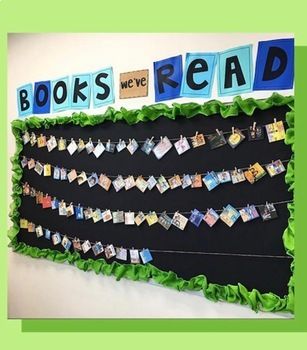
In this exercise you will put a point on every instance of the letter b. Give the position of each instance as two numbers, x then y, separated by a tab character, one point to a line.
25	100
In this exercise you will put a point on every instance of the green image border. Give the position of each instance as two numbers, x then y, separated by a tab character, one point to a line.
138	272
95	16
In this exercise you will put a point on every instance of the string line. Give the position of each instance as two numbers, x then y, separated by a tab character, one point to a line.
147	176
181	251
155	139
163	212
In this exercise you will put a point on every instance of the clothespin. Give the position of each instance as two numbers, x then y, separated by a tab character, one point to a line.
181	137
161	139
196	133
129	141
151	139
254	126
218	131
233	130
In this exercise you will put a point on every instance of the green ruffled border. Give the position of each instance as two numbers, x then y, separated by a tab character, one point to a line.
230	293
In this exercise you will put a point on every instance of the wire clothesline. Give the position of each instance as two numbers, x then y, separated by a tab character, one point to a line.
146	176
182	251
152	138
163	212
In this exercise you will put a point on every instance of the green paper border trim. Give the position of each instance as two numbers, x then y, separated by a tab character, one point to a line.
230	293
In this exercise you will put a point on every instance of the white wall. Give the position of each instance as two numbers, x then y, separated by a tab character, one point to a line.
52	290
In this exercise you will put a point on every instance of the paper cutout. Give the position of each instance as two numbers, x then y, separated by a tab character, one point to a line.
66	243
103	87
168	76
60	94
145	256
229	215
274	65
133	84
25	100
235	71
249	213
41	104
211	217
80	90
198	75
268	211
97	248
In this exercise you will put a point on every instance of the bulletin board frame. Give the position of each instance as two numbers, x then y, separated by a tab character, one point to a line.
230	293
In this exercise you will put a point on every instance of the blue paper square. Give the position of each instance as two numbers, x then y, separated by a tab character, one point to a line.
103	95
283	80
196	217
80	91
42	93
211	180
47	233
25	100
55	204
60	94
79	213
242	60
202	80
171	69
146	256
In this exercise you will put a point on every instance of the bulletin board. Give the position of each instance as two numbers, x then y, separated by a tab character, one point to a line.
249	263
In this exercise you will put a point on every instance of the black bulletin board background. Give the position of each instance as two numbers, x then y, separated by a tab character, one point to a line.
256	237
